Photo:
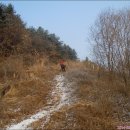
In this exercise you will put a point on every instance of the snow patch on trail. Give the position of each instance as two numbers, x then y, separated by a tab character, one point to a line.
60	96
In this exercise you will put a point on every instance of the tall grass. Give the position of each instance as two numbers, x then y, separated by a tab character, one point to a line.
30	86
101	104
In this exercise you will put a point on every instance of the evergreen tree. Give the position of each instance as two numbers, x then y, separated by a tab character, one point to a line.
15	38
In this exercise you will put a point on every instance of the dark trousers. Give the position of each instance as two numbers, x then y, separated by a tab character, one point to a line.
63	67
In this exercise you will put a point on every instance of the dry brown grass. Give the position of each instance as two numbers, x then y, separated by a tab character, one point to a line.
10	67
28	92
101	104
23	99
80	116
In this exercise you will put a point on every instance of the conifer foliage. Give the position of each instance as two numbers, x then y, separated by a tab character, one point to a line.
16	38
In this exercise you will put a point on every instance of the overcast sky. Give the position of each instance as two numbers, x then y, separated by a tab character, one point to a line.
70	20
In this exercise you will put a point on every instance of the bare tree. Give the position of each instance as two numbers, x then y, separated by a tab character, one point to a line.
111	37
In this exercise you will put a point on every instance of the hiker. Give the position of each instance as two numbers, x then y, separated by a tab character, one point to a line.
63	66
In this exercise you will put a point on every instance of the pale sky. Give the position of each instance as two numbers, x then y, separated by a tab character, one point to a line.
70	20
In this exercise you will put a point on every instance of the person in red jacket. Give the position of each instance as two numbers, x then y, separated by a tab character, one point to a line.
62	65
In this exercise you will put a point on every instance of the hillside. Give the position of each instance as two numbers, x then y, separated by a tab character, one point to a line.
76	99
91	95
29	60
17	39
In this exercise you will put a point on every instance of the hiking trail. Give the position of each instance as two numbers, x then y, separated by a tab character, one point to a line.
59	97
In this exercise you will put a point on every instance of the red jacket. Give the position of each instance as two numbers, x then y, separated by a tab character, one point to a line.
61	62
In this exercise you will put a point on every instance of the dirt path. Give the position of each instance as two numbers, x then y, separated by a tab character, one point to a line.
60	96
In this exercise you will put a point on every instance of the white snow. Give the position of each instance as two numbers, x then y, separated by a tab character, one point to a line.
61	89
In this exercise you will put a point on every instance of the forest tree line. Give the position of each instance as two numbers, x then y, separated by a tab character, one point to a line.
17	39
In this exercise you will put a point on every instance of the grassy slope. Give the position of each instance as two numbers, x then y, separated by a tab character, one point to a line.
28	94
101	104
